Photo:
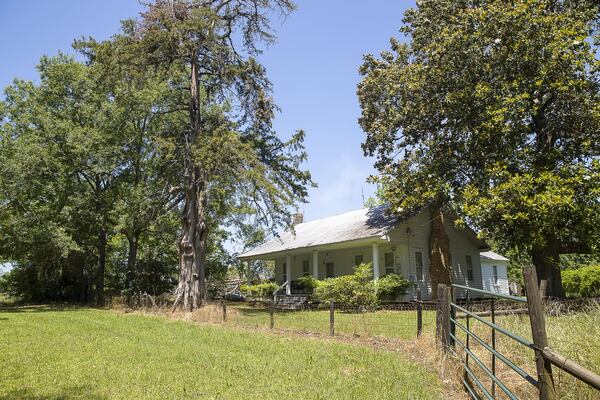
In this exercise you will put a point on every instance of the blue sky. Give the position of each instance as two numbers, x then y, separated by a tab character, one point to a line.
313	66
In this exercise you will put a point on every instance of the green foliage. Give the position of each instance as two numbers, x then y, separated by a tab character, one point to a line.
359	289
391	287
309	282
492	107
260	291
582	282
356	290
527	209
574	261
104	156
83	152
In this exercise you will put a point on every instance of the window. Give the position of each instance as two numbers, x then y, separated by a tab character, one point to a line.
358	260
329	273
495	269
389	263
419	265
284	273
305	268
469	268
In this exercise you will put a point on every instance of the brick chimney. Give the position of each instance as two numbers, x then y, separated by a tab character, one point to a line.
297	218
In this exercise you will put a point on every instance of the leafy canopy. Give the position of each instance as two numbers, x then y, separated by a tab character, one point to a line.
493	107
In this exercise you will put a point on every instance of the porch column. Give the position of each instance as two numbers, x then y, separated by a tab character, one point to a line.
315	264
248	273
375	261
288	273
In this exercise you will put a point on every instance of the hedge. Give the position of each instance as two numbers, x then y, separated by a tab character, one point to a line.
582	282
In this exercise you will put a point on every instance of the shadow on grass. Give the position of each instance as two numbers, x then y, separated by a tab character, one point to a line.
251	310
42	308
71	393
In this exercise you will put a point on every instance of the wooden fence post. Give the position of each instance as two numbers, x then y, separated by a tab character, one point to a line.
419	313
538	332
224	304
451	315
271	316
438	313
331	318
444	309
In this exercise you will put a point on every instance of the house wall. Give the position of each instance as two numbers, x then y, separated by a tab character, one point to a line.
414	235
343	261
487	272
406	239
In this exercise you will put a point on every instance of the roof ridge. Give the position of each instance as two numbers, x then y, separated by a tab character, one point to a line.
336	215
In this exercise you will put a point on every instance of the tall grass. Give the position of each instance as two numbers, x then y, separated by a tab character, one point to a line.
576	335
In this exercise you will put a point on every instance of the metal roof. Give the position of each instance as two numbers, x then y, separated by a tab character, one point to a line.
354	225
490	255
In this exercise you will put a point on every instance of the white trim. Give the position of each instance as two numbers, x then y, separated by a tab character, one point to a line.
288	272
375	261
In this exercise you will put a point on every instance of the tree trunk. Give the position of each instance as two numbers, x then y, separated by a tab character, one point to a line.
192	245
440	268
131	264
547	265
101	266
546	258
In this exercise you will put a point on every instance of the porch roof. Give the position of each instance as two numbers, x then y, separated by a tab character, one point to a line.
367	223
491	256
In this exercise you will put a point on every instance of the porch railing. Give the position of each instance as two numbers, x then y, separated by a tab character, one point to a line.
279	289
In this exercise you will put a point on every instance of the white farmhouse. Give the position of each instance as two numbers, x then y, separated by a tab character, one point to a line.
332	246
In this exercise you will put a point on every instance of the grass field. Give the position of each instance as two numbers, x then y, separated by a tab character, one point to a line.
80	353
391	324
575	336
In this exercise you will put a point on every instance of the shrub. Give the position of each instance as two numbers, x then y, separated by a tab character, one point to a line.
582	282
356	290
261	291
309	282
391	287
359	289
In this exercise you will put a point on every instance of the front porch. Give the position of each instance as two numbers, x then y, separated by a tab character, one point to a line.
338	260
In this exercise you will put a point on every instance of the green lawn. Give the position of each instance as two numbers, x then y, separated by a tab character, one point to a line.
80	353
393	324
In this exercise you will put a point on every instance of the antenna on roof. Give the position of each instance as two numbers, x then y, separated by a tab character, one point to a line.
362	192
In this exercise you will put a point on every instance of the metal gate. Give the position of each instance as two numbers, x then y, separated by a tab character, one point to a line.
471	380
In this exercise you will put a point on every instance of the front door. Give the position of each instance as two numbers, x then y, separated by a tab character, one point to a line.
329	273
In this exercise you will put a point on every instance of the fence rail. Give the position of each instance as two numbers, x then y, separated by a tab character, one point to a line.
447	321
405	320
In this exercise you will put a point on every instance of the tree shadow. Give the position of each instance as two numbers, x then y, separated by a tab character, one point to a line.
252	311
71	393
36	308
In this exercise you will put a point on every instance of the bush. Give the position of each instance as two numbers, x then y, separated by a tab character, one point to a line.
359	289
309	282
391	287
356	290
261	291
582	282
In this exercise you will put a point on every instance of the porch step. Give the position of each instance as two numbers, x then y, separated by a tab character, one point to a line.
291	302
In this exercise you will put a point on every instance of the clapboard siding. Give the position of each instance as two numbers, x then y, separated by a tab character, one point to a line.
487	272
405	240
